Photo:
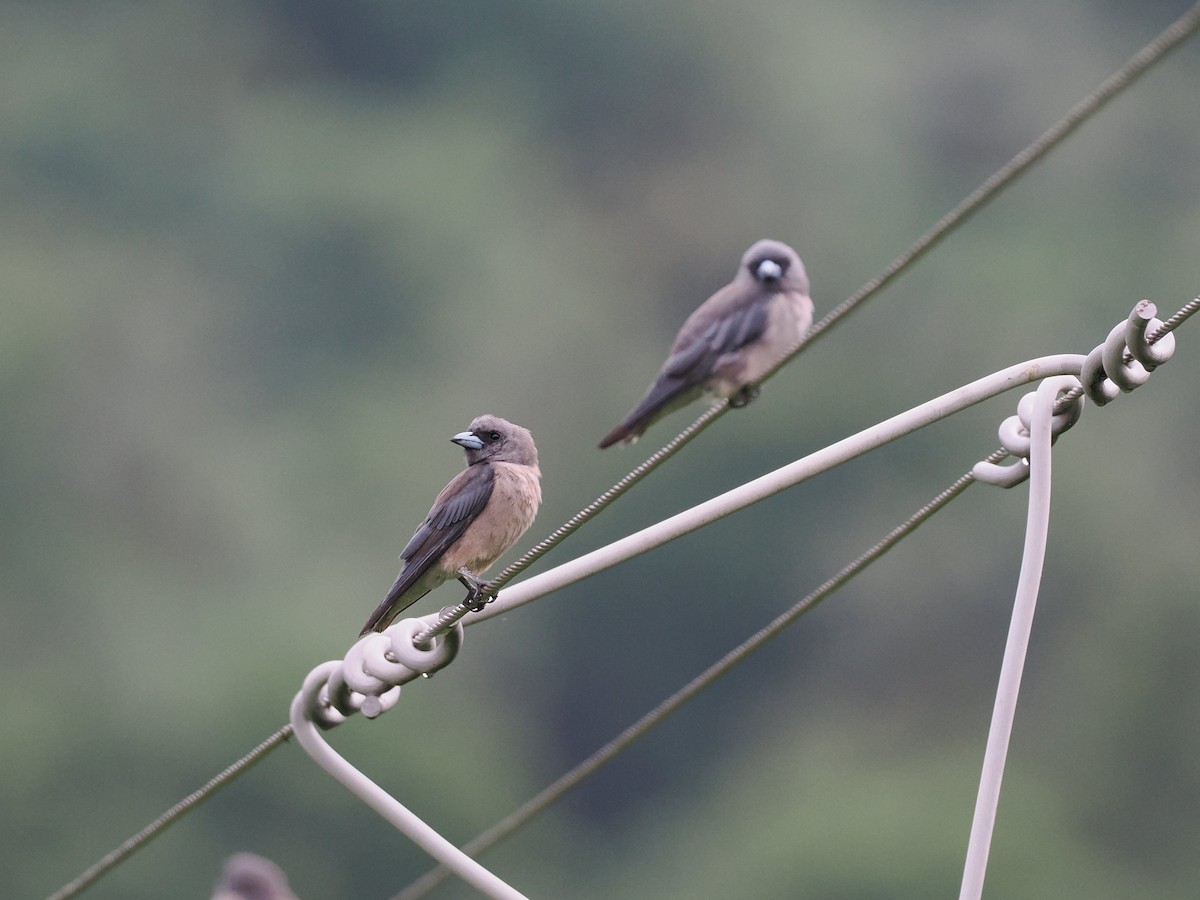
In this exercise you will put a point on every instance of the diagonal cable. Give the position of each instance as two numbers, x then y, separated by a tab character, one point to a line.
656	716
1180	30
171	815
1136	66
553	792
1185	312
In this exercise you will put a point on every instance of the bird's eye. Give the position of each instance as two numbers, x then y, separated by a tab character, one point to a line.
493	435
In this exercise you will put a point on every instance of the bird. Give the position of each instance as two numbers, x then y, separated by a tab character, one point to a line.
482	512
731	339
246	876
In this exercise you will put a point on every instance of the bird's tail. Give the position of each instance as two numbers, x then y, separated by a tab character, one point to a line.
628	431
376	621
393	604
665	395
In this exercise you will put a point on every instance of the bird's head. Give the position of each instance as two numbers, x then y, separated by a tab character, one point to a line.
493	439
775	266
250	877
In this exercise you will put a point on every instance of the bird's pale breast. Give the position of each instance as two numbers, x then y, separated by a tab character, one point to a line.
516	495
788	318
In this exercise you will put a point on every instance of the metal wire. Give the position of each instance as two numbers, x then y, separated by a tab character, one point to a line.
451	614
1181	29
1033	557
171	815
1185	312
309	717
1136	66
656	716
553	792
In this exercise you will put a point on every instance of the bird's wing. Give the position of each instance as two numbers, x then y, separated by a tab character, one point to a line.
697	349
693	360
458	503
453	511
722	325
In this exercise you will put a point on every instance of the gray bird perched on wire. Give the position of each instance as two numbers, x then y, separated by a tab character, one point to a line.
247	876
480	514
731	340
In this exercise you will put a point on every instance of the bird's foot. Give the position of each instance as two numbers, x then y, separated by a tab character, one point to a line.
744	397
478	596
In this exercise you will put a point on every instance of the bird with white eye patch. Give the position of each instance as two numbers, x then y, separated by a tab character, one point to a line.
731	340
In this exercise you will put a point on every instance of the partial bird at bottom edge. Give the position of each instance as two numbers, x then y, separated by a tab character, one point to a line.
247	876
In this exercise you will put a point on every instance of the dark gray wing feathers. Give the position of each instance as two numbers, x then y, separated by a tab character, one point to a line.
727	334
453	511
455	508
690	364
752	324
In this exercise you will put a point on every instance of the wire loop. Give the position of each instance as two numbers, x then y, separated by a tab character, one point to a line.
375	667
309	711
362	675
1132	350
380	690
1015	435
1126	374
1150	343
322	711
427	657
1096	384
338	695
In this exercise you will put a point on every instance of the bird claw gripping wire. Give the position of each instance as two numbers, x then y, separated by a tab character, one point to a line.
745	396
478	598
1132	350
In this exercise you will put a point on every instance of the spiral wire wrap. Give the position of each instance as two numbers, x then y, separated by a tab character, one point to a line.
361	686
1133	349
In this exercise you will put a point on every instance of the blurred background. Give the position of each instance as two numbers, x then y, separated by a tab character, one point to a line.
260	260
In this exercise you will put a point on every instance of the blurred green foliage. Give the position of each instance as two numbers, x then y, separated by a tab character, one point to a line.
260	260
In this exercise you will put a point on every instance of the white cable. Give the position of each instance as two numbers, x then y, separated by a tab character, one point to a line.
368	680
1036	529
306	703
337	689
774	482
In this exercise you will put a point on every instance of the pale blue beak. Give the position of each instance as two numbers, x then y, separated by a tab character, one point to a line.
467	441
769	270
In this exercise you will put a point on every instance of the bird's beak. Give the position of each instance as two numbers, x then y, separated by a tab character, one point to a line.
769	270
467	441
